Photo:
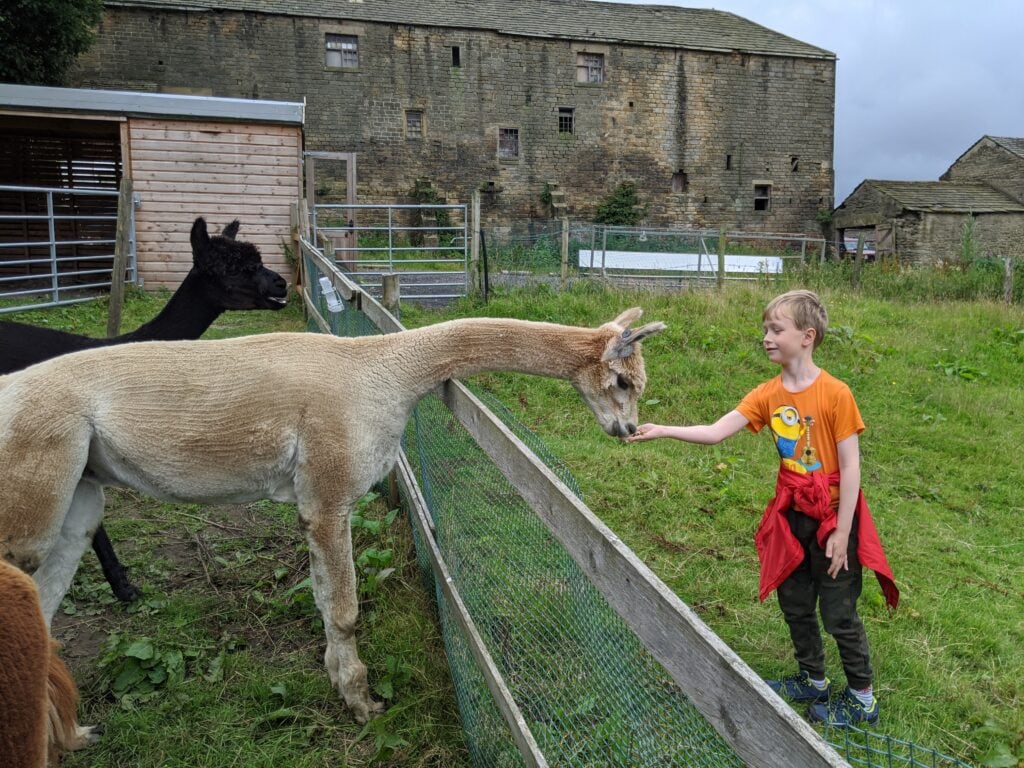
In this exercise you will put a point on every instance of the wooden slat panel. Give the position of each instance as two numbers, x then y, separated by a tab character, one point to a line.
221	171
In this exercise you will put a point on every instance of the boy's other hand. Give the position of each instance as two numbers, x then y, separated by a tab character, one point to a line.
645	432
836	551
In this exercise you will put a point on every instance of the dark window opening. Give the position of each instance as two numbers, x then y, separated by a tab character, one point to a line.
342	51
414	123
728	162
566	122
456	56
794	163
762	197
680	181
508	143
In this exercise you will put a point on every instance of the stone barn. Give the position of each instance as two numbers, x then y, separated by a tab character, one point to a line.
187	156
995	160
922	222
544	105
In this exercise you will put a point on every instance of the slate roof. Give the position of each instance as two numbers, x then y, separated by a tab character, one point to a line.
1016	146
649	25
946	196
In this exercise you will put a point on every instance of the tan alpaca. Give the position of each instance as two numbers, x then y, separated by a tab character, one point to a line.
38	697
309	418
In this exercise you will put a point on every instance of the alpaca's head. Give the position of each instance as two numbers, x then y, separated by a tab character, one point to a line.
613	380
232	271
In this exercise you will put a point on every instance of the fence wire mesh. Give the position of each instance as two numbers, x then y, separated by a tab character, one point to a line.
591	694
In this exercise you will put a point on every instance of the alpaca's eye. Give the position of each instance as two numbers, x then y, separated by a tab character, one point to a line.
622	382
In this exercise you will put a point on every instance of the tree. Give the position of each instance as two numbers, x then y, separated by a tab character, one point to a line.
39	39
621	207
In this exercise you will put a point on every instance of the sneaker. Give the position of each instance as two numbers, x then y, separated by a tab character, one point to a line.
844	710
799	687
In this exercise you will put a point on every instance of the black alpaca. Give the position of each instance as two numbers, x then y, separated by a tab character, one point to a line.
225	274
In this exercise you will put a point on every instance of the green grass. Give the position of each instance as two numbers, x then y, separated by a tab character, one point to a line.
938	383
221	663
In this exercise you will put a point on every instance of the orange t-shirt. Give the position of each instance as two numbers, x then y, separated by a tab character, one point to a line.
805	426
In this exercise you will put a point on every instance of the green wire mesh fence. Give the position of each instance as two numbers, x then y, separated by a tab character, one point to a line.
589	691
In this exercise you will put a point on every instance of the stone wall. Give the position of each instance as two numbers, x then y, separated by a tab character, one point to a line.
694	130
992	164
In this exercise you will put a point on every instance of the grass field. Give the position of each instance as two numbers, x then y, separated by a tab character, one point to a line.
220	664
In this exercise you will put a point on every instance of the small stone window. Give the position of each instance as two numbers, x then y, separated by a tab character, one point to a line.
566	120
456	56
680	182
794	163
414	123
589	67
342	51
762	197
508	143
728	162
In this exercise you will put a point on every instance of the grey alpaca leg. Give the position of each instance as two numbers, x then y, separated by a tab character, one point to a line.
55	574
113	570
334	588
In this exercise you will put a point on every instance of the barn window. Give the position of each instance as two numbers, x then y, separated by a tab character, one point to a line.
342	51
589	67
728	162
456	56
794	163
414	123
680	181
508	143
762	197
566	117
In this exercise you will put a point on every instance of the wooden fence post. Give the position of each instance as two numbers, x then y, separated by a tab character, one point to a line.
565	252
122	249
474	244
721	259
1008	279
390	292
858	263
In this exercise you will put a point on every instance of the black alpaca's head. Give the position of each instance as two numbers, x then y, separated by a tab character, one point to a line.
232	271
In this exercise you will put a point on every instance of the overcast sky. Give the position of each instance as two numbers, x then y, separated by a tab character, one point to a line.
917	81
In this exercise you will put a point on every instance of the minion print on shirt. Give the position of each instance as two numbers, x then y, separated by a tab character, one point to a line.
787	430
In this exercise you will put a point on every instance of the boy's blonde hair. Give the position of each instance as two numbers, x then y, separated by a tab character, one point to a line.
804	308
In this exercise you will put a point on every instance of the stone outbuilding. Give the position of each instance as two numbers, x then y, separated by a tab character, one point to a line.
187	156
538	103
922	221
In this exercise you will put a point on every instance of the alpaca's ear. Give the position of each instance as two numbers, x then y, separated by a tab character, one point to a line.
627	317
624	344
231	230
200	238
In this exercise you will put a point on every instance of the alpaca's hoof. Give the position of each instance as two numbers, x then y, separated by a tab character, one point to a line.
363	713
126	592
86	736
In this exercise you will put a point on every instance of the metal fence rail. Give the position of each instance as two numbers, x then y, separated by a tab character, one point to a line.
57	245
427	244
563	648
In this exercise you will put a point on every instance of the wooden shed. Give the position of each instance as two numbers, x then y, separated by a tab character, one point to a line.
922	221
187	156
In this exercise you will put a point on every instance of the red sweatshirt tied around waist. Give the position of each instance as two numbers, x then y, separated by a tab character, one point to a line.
780	552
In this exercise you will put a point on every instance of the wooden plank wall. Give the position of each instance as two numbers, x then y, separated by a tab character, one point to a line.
221	171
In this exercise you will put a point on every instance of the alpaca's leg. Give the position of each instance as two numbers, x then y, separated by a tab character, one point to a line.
54	576
115	573
334	588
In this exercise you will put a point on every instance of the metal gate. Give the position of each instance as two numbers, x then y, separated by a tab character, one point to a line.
57	245
426	245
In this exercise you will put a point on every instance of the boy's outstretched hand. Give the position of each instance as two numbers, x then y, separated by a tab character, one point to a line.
645	432
836	551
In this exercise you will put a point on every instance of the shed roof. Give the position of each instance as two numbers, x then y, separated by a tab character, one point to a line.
649	25
82	100
945	196
1010	144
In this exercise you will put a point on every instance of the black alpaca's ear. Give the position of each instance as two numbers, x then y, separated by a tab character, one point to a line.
200	238
230	230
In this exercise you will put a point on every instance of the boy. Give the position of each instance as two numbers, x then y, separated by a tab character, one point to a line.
817	532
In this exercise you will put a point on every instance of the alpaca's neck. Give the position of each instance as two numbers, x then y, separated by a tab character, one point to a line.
186	316
423	358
